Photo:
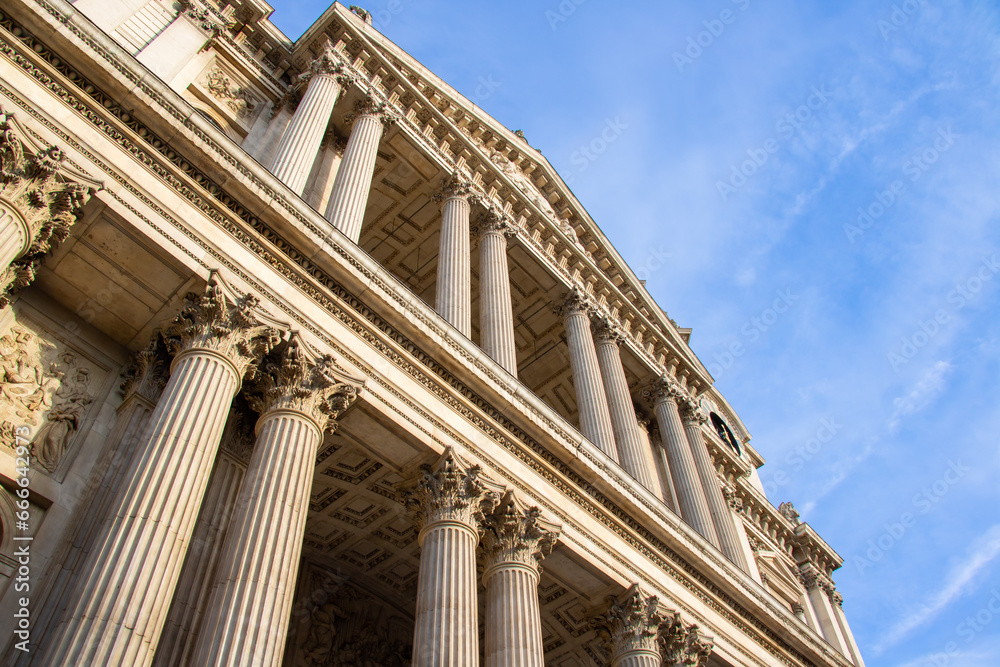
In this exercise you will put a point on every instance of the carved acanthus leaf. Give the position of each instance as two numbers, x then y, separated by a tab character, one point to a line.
230	327
665	388
514	533
148	370
631	623
296	379
40	195
683	645
450	490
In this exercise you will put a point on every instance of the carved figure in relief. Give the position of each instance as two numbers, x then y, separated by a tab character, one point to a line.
789	512
69	403
238	99
22	382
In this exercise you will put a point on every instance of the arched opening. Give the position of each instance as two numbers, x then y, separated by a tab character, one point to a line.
725	433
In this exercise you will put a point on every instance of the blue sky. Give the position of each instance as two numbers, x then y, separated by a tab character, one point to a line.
842	157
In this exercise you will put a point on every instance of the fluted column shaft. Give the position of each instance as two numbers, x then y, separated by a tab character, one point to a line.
447	630
495	310
513	617
247	617
124	588
687	485
142	390
515	540
722	516
454	293
299	145
623	421
592	403
15	235
450	499
638	658
346	207
201	565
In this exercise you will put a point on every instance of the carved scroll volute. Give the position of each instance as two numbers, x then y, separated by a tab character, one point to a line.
39	194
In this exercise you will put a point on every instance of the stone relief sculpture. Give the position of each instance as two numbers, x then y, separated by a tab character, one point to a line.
238	99
69	402
41	387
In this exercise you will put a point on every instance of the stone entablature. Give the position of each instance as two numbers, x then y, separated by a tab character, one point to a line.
184	182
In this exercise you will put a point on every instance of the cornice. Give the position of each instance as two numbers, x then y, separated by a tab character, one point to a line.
185	186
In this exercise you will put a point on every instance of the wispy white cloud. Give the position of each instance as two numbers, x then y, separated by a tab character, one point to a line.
923	394
982	553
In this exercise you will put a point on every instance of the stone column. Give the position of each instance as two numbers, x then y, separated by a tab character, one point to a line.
666	395
346	207
819	591
694	417
631	450
194	587
854	652
629	629
299	145
450	499
516	539
454	273
683	645
591	401
142	385
298	396
121	597
496	314
38	204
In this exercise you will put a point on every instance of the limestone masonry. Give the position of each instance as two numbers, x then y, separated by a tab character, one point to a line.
308	361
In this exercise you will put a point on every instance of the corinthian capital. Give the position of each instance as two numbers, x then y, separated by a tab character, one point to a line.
40	194
147	372
493	221
455	186
631	623
297	379
517	534
664	389
606	329
683	645
374	107
576	301
229	326
692	413
451	490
